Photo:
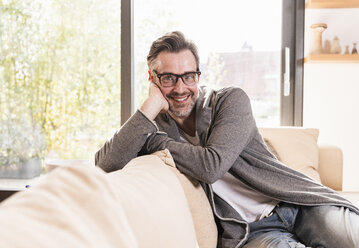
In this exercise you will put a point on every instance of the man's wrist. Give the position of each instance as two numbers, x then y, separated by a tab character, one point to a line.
152	121
150	109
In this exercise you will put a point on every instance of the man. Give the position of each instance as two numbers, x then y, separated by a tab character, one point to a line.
212	136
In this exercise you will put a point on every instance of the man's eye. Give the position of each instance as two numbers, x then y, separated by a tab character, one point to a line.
189	76
168	78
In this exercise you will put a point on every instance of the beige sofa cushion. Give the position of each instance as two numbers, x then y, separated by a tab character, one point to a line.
204	223
155	204
142	205
296	147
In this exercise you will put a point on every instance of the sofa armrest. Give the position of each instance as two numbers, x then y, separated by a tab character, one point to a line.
331	166
352	196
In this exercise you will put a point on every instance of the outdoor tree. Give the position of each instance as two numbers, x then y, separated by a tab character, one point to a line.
60	72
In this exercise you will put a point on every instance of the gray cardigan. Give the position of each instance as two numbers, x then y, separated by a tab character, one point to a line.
230	141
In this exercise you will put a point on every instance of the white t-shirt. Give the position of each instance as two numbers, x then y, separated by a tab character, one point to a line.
250	204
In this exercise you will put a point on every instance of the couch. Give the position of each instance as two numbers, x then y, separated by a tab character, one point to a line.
148	203
297	147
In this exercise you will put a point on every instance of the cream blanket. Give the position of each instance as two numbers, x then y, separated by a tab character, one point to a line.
142	205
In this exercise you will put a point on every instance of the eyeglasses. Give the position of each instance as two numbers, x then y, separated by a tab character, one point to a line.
170	79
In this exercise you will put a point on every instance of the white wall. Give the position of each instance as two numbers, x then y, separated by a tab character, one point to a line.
331	90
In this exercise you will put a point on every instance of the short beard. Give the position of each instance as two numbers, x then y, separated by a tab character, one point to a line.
182	114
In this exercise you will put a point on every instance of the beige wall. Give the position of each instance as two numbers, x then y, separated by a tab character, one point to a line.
331	90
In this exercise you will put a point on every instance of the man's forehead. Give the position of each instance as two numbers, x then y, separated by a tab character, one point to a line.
175	60
178	53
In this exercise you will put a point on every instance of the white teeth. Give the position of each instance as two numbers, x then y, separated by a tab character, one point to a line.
180	99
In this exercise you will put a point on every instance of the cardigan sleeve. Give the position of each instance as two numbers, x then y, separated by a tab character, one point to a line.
125	143
230	131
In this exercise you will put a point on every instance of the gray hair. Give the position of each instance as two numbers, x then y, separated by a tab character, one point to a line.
171	42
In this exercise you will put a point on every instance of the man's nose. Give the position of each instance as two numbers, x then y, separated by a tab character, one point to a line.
180	86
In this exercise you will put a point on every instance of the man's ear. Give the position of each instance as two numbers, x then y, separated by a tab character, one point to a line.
150	76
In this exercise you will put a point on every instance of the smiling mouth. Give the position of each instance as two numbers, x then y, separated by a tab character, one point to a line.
180	99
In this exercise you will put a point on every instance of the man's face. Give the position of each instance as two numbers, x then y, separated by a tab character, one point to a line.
181	97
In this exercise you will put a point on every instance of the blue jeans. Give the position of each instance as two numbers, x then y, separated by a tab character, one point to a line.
300	226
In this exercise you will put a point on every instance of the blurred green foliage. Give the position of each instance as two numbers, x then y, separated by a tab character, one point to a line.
60	71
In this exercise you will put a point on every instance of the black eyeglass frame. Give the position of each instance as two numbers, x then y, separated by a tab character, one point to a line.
177	77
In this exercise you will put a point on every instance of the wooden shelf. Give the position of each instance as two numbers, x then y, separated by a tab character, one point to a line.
332	58
323	4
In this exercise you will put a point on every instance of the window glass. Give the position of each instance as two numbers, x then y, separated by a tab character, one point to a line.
59	76
239	44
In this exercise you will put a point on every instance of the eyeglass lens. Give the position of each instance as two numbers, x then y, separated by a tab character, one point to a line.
189	78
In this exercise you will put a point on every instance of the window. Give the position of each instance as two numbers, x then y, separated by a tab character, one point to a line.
59	76
63	64
239	42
